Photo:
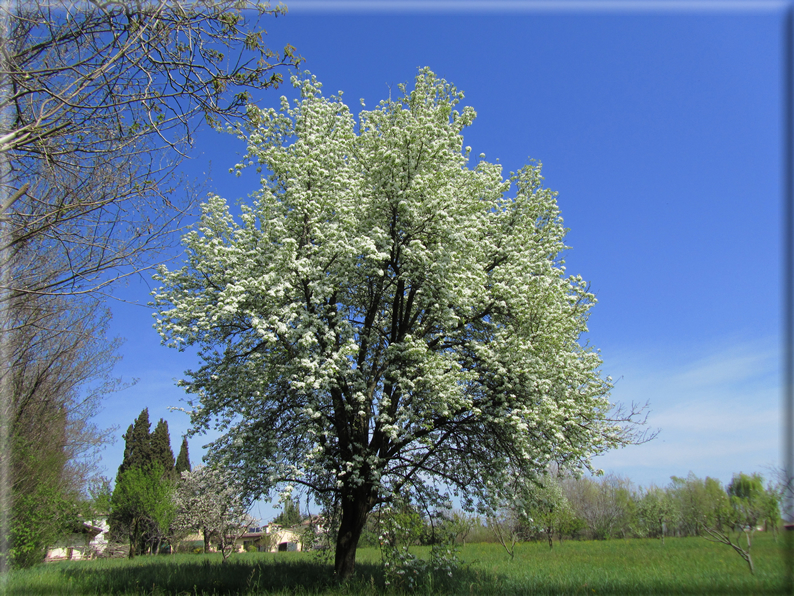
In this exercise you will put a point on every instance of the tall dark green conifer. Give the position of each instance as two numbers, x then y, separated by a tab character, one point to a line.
161	448
139	452
290	515
128	441
183	459
138	443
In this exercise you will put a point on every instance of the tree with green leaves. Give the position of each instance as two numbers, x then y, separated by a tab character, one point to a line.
57	369
290	514
160	444
387	320
183	459
750	505
548	508
461	523
142	517
143	502
98	493
657	511
137	443
40	517
700	503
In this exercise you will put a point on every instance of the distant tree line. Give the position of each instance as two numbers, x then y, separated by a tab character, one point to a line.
566	507
160	500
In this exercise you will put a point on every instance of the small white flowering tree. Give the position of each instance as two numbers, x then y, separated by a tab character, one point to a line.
208	499
385	320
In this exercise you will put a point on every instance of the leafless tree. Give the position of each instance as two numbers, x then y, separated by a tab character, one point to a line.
60	371
99	103
603	505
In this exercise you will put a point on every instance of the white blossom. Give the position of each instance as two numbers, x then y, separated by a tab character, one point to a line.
382	316
210	500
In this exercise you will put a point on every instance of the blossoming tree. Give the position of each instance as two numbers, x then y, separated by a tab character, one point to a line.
384	319
208	499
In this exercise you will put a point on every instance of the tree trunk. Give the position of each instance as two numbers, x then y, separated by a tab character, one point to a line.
354	517
206	539
133	539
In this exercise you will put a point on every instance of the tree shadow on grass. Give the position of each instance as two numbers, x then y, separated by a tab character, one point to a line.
247	575
240	575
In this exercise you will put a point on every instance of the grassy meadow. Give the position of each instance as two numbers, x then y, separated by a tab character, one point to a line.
635	566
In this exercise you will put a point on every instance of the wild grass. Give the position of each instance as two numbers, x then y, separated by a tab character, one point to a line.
680	566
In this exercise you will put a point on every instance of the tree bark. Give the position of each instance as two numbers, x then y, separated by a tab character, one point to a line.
354	517
133	539
206	539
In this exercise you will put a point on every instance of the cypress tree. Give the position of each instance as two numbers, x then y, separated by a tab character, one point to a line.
183	459
127	436
161	448
137	455
290	515
137	447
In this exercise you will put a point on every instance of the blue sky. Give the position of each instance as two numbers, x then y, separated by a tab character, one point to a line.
659	124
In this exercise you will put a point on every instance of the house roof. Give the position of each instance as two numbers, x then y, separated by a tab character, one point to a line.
251	535
86	528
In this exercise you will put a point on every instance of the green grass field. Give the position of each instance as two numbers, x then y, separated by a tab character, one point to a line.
680	566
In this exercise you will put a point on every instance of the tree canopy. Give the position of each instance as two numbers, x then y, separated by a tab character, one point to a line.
209	500
183	459
102	102
160	441
385	319
290	515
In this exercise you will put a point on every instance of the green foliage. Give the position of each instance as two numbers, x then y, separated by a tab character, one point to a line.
750	504
461	524
656	512
753	503
99	494
143	501
160	445
548	508
141	505
43	507
402	526
290	515
700	502
53	381
39	519
183	459
137	443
